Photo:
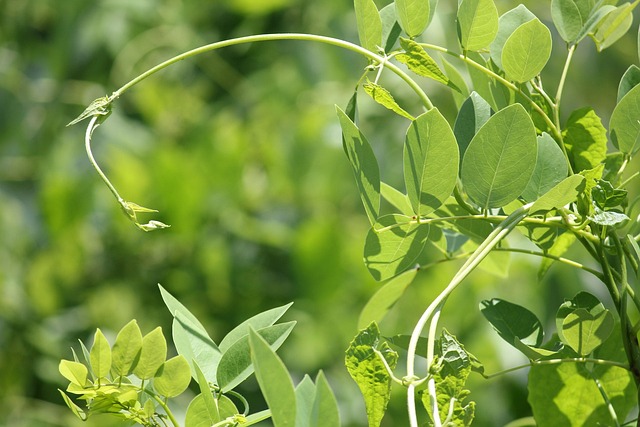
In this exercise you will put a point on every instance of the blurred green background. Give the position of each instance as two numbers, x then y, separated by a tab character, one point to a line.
240	152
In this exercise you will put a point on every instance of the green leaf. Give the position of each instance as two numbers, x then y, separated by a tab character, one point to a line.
614	25
196	346
567	394
625	124
173	377
456	79
585	138
473	114
430	162
210	404
595	18
98	107
526	51
197	414
582	300
384	98
152	354
551	168
500	159
476	230
100	355
176	306
393	245
382	301
369	24
235	365
369	372
565	192
259	321
364	164
607	217
569	17
77	411
391	30
274	381
584	331
305	396
507	24
629	80
413	16
477	23
397	199
126	349
513	322
418	60
560	245
75	372
325	407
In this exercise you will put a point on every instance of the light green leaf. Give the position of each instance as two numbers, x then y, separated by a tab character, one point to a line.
473	114
597	15
585	139
391	30
235	365
75	372
196	346
454	76
397	199
384	98
507	24
197	414
582	300
430	162
126	349
551	168
500	159
560	245
513	322
569	17
413	16
526	51
212	410
382	301
474	229
607	217
535	353
305	395
477	23
274	381
584	331
364	164
418	60
393	245
629	80
563	193
368	371
77	411
100	355
614	25
152	354
98	107
369	24
325	407
259	321
625	123
173	377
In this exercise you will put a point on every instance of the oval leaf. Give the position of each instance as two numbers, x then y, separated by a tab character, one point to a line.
569	17
75	372
507	24
152	354
625	123
369	24
173	377
393	245
551	168
565	192
100	355
585	139
473	113
526	51
413	16
513	322
477	23
382	301
585	331
629	80
500	159
126	349
613	26
430	162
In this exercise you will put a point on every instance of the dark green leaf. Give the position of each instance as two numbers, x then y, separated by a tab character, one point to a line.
551	168
625	124
513	322
569	17
473	114
629	80
391	30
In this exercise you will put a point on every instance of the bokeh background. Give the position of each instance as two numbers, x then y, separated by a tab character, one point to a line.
240	152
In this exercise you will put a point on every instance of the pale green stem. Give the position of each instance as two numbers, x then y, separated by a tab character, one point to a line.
167	411
501	231
282	36
605	397
87	144
557	362
556	106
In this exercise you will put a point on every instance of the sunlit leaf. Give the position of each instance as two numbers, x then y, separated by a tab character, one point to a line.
563	193
152	354
584	331
507	24
75	372
259	321
586	139
173	377
561	244
625	123
613	26
325	407
77	411
526	51
397	199
384	98
413	16
196	346
419	61
477	23
126	349
100	355
382	301
607	217
369	24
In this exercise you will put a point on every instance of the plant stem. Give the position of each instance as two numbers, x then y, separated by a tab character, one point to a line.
557	362
93	124
556	106
281	36
167	411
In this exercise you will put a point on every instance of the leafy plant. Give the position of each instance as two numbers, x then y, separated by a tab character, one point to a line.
507	163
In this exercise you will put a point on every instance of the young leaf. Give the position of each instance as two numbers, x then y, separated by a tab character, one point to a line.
430	162
152	354
100	355
613	26
364	164
384	98
584	331
413	16
369	372
419	61
610	218
507	24
395	247
75	372
585	138
173	377
258	321
500	159
325	407
197	414
391	30
526	51
235	365
625	124
369	24
126	349
513	322
565	192
473	114
629	80
477	23
569	17
196	346
274	381
551	168
382	301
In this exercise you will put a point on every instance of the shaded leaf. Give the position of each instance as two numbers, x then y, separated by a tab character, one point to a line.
454	76
560	245
473	114
629	80
391	30
507	24
563	193
584	331
195	346
259	321
325	407
305	396
569	17
613	26
382	301
477	23
397	199
625	125
513	322
551	168
607	217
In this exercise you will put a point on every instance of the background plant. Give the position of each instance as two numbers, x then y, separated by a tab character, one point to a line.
336	220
